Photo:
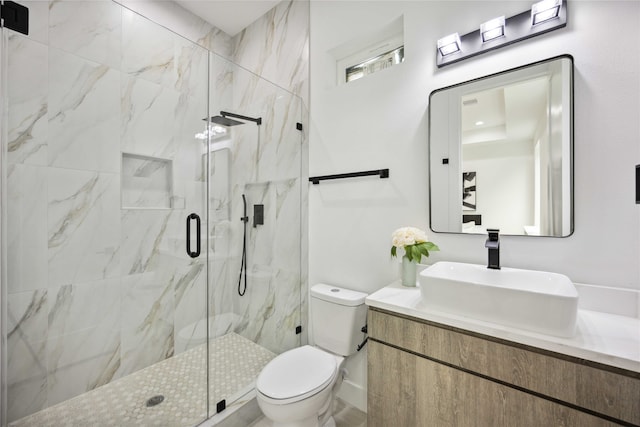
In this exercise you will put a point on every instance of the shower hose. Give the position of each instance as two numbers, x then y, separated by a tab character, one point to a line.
243	264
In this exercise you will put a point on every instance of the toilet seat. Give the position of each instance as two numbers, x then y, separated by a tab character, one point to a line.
296	375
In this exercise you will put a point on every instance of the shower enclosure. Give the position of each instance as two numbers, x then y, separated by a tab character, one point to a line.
122	232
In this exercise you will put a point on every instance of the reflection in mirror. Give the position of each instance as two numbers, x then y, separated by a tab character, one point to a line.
500	152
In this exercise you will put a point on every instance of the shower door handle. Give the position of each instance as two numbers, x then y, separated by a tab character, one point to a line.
197	251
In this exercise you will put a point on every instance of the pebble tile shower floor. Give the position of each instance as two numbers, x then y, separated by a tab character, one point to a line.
235	362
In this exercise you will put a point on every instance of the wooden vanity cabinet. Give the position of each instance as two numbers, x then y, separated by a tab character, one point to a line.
426	374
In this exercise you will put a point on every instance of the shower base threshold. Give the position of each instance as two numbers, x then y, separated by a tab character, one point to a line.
234	364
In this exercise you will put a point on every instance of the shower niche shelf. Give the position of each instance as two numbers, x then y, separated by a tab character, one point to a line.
146	182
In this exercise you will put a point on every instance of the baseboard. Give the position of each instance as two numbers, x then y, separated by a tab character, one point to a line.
354	395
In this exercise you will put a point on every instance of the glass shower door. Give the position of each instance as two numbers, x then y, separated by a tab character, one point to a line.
164	107
255	267
103	166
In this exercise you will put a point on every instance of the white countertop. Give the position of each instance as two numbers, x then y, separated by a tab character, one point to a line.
601	337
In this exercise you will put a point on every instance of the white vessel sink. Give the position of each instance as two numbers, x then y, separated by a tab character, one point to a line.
532	300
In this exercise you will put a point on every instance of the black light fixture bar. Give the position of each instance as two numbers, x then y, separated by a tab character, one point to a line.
383	173
517	28
258	120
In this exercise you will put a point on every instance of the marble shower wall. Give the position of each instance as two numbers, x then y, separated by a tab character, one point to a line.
181	21
265	166
97	290
276	47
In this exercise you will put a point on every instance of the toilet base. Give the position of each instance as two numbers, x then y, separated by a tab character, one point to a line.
310	422
320	418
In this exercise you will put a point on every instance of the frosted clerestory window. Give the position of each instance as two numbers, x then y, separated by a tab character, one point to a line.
375	64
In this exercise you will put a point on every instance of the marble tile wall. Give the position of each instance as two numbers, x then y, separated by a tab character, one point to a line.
97	291
265	164
276	47
181	21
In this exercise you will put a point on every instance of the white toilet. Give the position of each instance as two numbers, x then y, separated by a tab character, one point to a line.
296	389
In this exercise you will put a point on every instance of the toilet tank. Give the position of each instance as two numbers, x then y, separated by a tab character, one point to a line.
337	317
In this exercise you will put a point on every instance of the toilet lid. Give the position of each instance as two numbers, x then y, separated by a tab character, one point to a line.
296	373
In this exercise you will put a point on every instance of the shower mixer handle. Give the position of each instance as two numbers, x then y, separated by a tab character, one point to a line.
244	218
196	253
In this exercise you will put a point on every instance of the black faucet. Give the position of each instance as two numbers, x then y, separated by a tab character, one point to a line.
493	244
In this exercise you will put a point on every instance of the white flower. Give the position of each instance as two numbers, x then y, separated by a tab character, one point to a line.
414	242
406	236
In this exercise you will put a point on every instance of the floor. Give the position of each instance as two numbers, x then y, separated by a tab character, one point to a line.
180	380
345	415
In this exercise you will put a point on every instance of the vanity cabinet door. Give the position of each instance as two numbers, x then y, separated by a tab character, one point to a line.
608	393
408	390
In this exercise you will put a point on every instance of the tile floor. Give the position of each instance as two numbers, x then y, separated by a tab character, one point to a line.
179	379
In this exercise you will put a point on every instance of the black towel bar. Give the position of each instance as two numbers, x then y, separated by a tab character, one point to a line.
383	173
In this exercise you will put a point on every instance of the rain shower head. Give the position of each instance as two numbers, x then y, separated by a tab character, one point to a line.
225	121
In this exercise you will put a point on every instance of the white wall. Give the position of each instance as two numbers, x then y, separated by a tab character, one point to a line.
381	121
504	182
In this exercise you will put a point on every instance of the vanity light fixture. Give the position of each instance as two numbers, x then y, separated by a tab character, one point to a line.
492	29
449	44
544	11
544	16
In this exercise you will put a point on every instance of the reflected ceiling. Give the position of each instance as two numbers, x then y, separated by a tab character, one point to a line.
510	112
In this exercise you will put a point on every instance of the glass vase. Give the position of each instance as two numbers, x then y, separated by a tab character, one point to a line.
409	269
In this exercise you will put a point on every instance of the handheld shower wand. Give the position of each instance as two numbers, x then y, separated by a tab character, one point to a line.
243	263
